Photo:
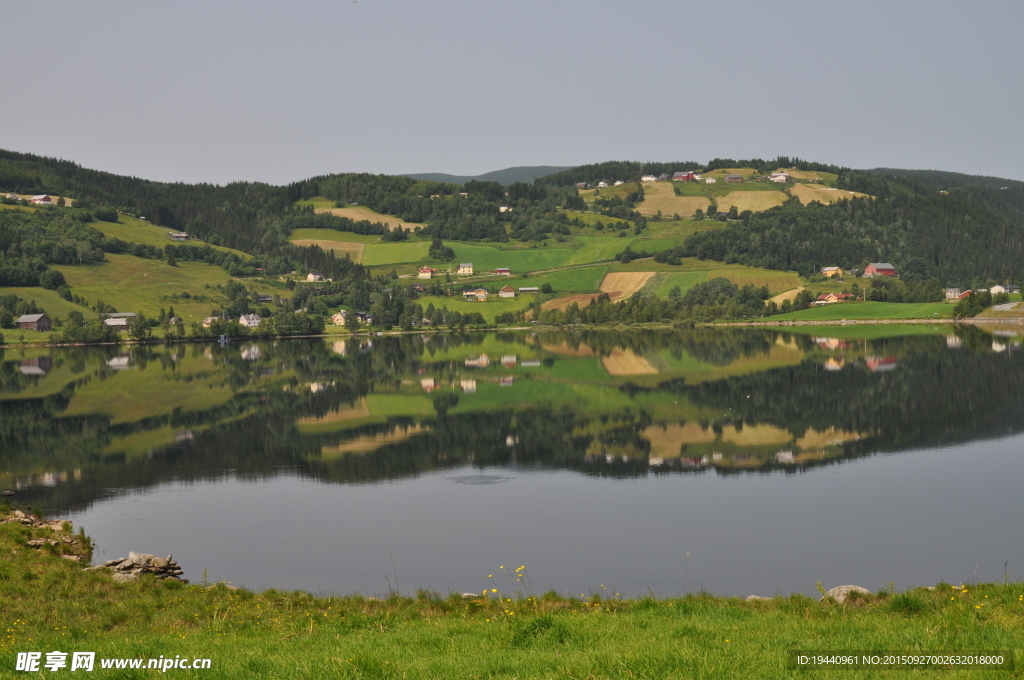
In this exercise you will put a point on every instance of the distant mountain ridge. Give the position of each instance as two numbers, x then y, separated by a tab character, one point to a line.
522	173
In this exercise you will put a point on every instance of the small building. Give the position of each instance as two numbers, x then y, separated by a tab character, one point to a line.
529	289
264	299
663	177
780	177
879	269
481	295
504	208
364	318
507	292
481	361
178	236
42	199
581	185
208	321
953	293
419	288
250	320
468	385
602	185
648	178
39	366
425	273
503	271
880	364
314	277
1007	288
469	293
338	318
509	361
618	183
734	179
466	269
711	180
829	298
118	315
119	323
684	176
13	197
34	322
830	272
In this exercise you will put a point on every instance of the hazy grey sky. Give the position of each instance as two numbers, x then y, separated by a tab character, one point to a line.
279	91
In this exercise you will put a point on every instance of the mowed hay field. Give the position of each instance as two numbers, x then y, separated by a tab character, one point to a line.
809	175
662	196
625	362
358	214
810	192
341	243
755	201
562	303
777	281
393	253
620	285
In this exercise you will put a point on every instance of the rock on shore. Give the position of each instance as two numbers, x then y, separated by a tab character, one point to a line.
131	567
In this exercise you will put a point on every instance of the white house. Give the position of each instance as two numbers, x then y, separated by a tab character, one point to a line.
618	182
250	320
425	273
313	277
1008	288
466	269
339	318
602	185
648	178
529	289
779	177
41	200
119	323
507	292
710	180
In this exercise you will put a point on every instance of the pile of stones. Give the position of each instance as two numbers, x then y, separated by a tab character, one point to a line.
131	567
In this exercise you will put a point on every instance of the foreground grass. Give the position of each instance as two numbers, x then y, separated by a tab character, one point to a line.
49	603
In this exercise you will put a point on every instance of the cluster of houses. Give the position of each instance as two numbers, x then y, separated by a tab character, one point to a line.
465	269
830	298
341	317
872	270
247	320
1008	288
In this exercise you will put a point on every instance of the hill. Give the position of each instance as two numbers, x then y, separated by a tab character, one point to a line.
523	173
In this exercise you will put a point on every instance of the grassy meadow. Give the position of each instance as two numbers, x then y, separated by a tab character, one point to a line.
506	631
134	284
134	230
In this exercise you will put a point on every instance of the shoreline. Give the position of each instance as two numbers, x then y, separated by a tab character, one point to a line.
492	329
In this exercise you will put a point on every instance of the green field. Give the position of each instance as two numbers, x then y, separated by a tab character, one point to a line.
489	258
598	248
490	309
376	254
134	284
333	235
871	331
870	310
578	280
54	305
134	230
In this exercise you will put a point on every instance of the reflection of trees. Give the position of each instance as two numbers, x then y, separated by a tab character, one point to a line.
932	396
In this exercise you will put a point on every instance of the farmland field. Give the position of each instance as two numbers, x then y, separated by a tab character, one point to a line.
340	249
53	304
620	285
777	281
134	230
751	200
359	213
489	258
720	173
811	192
375	254
578	280
134	284
810	175
598	248
662	196
491	308
591	218
685	280
563	303
333	235
870	310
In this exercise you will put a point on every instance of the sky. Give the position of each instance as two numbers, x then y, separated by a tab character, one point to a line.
280	91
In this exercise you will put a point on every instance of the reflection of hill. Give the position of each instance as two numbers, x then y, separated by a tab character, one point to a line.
390	411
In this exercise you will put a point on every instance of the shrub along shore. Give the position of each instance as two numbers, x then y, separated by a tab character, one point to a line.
51	604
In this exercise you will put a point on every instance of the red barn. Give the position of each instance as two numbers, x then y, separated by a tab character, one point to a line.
683	176
879	269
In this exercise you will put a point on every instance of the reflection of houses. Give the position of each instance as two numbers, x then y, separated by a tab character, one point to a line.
834	363
506	381
880	364
509	361
251	353
482	361
784	456
119	363
468	385
339	347
832	343
427	384
954	341
529	363
38	366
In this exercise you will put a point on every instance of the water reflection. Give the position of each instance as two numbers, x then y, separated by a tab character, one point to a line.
80	425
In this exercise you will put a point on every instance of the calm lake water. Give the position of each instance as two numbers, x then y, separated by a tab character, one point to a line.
735	461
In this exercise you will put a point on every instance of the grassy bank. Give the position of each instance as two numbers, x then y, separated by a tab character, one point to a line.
49	603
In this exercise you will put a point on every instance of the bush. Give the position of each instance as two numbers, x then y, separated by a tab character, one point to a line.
51	279
1	338
546	288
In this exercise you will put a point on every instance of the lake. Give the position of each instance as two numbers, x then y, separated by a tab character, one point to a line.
736	461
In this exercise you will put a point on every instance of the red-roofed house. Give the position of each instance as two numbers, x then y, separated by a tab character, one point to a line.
879	269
